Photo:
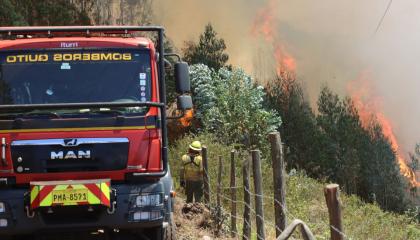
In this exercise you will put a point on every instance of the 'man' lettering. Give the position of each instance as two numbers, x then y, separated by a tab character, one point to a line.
58	155
71	155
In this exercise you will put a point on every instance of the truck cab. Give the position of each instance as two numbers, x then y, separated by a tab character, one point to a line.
83	132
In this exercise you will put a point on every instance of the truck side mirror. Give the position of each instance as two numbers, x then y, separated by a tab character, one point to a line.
184	102
182	77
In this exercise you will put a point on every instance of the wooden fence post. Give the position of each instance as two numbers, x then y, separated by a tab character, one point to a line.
246	231
219	195
259	210
206	181
277	159
332	192
233	229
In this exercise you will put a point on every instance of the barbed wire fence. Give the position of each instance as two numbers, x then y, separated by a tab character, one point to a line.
220	198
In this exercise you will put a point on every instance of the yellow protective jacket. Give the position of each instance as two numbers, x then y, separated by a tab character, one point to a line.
192	167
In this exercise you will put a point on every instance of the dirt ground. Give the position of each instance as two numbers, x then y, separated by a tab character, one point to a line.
194	221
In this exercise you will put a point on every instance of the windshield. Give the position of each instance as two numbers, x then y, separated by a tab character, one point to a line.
75	76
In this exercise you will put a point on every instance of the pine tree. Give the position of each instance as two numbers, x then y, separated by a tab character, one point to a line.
299	130
383	176
210	50
362	160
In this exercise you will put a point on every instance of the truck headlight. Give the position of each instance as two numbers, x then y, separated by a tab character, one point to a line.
147	216
2	207
3	222
148	200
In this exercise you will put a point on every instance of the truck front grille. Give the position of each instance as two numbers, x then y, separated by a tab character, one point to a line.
69	155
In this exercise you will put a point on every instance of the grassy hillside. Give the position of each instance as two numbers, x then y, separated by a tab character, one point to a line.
305	200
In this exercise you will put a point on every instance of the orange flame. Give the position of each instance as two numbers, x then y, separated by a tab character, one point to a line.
187	118
266	26
369	107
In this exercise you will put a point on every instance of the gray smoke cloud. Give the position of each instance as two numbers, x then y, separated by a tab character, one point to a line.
333	43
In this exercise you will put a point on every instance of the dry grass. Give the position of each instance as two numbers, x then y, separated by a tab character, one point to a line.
305	201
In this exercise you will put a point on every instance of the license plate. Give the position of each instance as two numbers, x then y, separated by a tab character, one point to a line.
70	193
69	196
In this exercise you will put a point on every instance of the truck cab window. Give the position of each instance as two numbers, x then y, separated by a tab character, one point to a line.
75	76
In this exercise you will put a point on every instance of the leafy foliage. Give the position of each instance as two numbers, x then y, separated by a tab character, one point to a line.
9	15
231	106
171	93
305	199
341	130
334	145
203	84
362	159
210	50
42	12
298	130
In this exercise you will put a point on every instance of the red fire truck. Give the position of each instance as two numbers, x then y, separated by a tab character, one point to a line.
83	139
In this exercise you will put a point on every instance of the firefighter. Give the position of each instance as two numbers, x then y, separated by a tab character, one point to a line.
192	172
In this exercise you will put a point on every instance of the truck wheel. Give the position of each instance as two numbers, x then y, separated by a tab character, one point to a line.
170	231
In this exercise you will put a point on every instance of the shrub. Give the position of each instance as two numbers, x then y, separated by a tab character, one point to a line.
230	105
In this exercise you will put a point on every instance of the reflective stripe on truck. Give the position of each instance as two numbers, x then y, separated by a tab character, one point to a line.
70	193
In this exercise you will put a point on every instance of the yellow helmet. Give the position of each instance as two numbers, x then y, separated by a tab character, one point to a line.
196	146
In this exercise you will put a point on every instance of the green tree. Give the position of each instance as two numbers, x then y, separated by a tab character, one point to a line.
231	106
44	12
9	14
329	108
382	174
361	159
299	130
52	12
414	157
210	50
171	93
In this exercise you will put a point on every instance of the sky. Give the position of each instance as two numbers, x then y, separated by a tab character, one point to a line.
333	42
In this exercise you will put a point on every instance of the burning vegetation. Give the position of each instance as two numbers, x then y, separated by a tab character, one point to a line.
349	140
265	25
369	108
187	118
346	140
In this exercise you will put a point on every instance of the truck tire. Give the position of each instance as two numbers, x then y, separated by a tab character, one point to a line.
160	233
170	231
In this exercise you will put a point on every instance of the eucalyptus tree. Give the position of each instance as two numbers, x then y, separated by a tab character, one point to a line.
229	104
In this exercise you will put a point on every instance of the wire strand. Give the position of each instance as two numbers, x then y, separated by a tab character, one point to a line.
270	198
383	16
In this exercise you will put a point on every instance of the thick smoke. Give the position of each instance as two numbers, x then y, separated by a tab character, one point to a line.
333	42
